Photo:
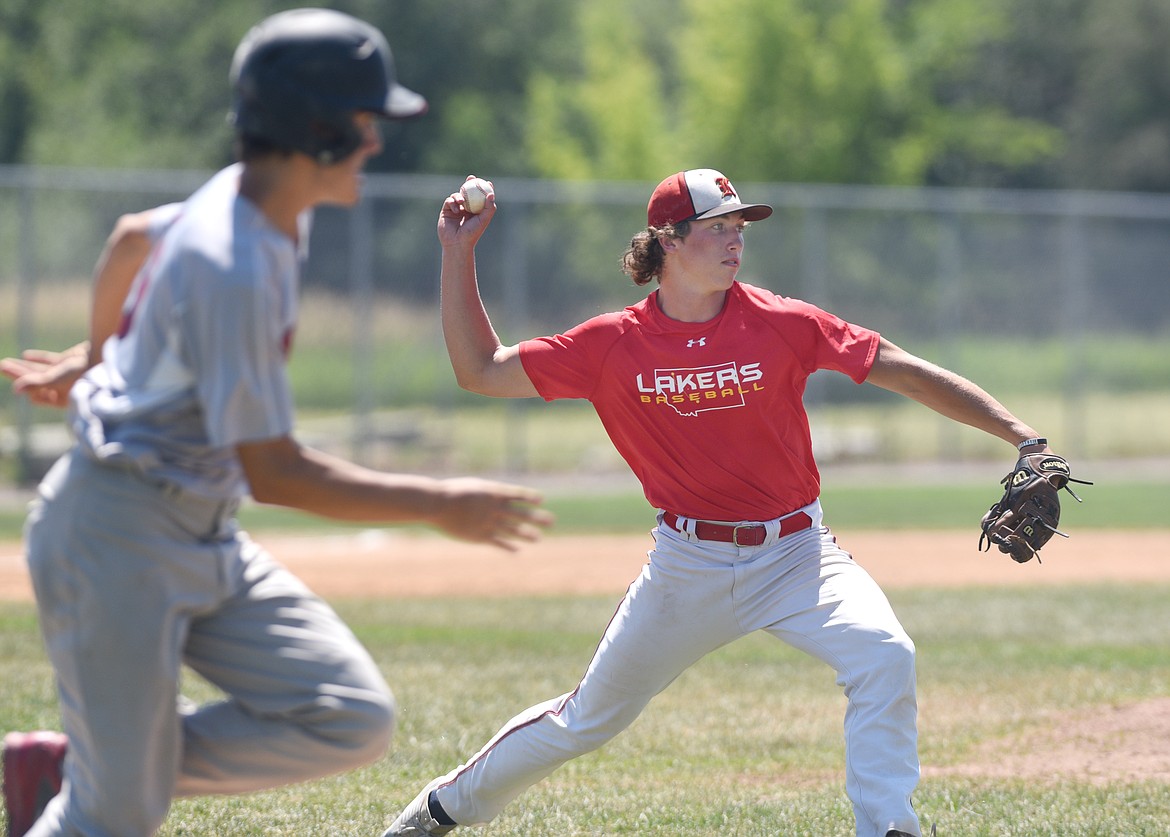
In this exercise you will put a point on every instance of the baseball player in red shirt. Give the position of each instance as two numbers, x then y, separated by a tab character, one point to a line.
700	387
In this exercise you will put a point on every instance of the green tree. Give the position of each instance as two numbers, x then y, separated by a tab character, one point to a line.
794	90
605	116
1118	117
128	84
1051	93
472	60
1097	71
18	32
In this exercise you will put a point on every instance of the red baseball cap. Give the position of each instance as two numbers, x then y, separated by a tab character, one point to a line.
698	193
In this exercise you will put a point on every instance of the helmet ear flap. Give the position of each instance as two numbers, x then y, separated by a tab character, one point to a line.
333	140
300	77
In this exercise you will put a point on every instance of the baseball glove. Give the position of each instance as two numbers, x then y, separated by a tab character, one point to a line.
1026	517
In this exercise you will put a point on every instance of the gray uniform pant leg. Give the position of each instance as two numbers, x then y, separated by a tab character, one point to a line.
133	580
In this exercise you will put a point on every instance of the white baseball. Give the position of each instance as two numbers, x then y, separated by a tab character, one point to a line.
475	193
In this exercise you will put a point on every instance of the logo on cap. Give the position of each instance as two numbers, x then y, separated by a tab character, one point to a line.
698	193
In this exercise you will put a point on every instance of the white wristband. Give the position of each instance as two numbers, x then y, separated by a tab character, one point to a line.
1027	443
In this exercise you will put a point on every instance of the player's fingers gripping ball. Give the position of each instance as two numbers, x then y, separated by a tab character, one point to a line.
1026	517
475	194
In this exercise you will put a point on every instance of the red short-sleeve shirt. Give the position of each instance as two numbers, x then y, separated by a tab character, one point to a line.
710	416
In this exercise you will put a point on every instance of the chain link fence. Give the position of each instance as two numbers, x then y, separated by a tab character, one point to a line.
1056	302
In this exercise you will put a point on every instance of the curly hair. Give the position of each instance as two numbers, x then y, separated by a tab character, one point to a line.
642	260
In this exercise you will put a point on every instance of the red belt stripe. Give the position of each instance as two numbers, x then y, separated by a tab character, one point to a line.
740	534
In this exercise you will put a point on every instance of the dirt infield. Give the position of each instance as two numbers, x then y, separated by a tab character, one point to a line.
386	563
1121	743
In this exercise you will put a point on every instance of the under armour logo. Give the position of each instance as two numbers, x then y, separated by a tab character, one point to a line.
702	341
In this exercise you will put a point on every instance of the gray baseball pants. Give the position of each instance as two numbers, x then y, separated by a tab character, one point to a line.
134	580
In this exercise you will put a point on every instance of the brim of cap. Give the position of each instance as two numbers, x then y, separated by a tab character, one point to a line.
403	103
751	211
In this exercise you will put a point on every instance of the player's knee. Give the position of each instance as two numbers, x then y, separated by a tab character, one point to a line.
904	646
594	722
381	718
897	658
360	725
889	659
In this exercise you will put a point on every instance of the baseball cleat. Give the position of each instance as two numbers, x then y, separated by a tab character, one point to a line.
32	775
416	819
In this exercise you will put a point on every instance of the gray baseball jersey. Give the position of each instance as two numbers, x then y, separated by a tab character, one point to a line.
199	362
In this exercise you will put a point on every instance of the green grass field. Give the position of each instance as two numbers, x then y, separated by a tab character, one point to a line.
1126	505
747	742
1130	505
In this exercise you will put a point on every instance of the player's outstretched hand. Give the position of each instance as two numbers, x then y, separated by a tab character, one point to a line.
45	377
484	511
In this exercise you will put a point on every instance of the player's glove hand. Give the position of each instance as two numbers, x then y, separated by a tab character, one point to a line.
1026	517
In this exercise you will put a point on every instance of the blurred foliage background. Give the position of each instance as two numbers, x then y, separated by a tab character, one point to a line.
1067	94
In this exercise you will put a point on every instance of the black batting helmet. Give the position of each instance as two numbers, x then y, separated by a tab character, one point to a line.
299	76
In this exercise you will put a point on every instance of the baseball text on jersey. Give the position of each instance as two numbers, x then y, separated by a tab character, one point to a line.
690	391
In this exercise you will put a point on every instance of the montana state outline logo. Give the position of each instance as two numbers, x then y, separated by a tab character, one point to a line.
690	391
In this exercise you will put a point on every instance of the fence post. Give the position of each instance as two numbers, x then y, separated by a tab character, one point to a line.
516	319
814	281
361	284
25	327
1074	314
950	293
